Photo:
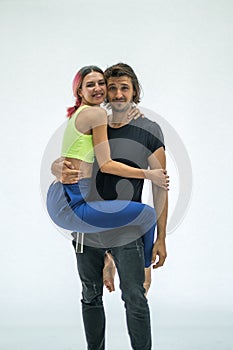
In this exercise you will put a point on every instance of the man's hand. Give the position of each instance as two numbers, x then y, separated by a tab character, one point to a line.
64	171
159	250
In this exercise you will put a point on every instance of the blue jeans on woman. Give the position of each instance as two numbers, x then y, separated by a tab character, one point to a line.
129	260
68	208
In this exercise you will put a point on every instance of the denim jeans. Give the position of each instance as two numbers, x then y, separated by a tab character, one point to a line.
129	260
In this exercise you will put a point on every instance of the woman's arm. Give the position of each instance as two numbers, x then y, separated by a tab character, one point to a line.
98	118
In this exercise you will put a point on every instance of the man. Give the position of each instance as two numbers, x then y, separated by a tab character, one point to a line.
136	143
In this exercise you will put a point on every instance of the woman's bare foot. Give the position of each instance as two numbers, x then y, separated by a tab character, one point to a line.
147	282
109	271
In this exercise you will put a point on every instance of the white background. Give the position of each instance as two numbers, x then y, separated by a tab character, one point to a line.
182	52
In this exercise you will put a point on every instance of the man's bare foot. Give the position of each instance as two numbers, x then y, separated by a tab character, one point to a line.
109	271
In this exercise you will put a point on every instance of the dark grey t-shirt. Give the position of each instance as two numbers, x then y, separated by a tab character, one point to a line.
131	144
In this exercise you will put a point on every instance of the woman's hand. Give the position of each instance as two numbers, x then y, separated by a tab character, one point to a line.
159	177
135	113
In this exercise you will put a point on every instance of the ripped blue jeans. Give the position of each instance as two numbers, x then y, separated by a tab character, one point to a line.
129	260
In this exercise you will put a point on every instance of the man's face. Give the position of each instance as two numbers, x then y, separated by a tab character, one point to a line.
120	93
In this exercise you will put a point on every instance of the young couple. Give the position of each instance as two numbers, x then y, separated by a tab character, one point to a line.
137	143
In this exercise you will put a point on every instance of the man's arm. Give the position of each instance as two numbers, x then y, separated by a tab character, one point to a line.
64	171
160	198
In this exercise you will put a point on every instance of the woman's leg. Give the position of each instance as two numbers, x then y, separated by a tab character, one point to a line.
68	209
64	201
147	282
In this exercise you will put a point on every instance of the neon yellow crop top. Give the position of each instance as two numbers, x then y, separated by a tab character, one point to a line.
76	144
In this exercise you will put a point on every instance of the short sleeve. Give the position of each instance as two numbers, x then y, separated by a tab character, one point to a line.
155	138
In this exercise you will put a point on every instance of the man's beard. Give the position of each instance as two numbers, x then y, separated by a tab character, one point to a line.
118	107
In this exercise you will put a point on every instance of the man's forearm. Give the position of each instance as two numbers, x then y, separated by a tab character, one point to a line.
56	168
160	198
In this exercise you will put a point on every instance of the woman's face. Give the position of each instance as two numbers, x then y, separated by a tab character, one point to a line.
93	90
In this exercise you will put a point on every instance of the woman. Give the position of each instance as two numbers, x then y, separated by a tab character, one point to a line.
86	135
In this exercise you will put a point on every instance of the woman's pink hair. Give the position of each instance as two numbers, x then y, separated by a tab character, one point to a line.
77	84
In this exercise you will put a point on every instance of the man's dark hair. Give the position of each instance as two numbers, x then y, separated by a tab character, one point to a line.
120	70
